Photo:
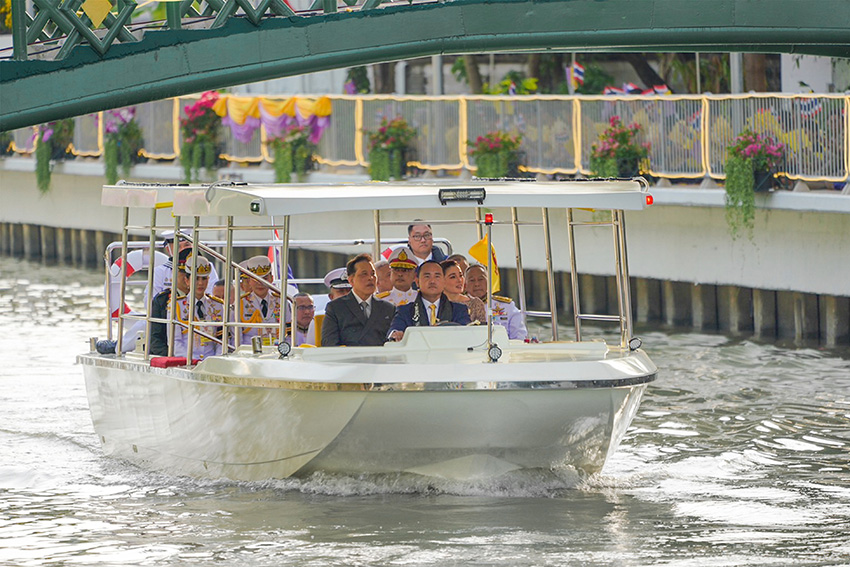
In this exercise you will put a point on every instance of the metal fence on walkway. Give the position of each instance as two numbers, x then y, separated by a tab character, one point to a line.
688	134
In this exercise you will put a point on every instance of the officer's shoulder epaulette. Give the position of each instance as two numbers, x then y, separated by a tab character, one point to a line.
382	295
215	298
275	294
244	295
502	298
166	291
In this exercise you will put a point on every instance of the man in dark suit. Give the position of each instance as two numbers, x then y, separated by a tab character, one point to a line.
431	305
358	319
420	239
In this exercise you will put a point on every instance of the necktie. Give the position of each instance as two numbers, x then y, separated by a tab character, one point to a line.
200	309
264	307
365	307
433	309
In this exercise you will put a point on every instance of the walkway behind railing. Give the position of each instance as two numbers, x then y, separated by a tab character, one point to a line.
688	133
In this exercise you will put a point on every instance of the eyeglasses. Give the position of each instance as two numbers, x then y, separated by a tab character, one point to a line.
418	237
306	308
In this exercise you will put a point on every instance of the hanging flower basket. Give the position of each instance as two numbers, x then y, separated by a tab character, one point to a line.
618	152
52	143
201	132
388	149
496	154
293	153
122	142
750	165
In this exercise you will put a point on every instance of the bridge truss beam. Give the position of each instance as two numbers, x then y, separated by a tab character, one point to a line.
177	62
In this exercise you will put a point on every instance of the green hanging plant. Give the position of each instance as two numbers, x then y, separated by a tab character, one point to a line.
618	153
496	154
6	143
201	130
740	197
52	142
123	141
293	153
388	148
751	156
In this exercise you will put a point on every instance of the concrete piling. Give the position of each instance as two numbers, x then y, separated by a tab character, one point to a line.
735	309
764	314
703	306
31	241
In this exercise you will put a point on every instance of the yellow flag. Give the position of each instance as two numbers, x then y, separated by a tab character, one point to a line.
479	252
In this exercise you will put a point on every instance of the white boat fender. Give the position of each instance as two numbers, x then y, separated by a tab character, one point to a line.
137	260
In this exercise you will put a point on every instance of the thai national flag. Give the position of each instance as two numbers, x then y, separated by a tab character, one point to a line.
512	88
577	74
613	91
661	89
631	88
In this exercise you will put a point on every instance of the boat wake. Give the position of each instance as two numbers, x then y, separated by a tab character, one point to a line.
535	483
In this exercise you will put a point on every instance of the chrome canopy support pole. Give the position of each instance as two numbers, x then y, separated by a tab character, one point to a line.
284	281
618	274
627	290
151	267
228	287
550	274
489	283
478	223
172	300
107	259
574	273
376	247
520	277
190	296
123	276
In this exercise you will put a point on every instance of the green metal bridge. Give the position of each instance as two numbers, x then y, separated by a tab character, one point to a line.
64	65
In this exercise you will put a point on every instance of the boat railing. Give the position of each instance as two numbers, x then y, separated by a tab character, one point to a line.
211	247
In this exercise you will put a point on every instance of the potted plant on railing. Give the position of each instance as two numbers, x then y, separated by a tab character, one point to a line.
293	153
6	143
750	164
52	142
122	142
496	154
618	152
201	132
388	148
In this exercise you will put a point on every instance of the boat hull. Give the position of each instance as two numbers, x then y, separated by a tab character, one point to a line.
183	422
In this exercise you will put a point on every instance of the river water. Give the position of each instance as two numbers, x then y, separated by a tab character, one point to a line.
739	455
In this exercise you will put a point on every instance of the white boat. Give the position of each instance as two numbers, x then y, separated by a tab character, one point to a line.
454	402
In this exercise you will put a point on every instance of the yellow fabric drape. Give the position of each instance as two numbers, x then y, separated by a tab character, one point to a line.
237	107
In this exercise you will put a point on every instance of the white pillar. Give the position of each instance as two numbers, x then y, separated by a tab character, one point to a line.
736	71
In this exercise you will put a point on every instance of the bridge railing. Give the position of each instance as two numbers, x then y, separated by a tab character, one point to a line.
688	134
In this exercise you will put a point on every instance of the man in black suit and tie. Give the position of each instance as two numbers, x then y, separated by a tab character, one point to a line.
431	306
358	319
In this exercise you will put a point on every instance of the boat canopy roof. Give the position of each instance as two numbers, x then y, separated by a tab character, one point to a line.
229	199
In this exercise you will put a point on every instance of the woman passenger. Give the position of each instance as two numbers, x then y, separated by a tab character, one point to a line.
453	277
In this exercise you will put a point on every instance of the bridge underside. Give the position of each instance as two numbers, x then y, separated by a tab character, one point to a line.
171	63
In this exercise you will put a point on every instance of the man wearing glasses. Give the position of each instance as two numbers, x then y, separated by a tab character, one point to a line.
304	311
420	239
